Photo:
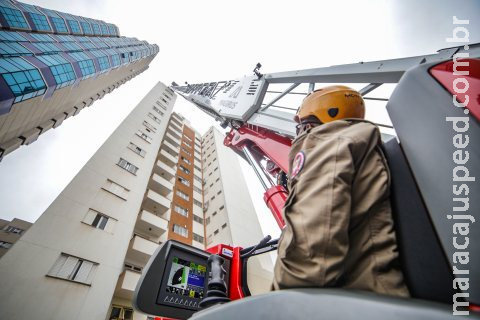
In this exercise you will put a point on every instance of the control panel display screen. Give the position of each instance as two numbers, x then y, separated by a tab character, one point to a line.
186	278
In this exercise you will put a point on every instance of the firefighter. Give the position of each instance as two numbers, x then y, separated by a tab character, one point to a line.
339	226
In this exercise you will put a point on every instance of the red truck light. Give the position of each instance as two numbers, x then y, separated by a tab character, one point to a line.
461	78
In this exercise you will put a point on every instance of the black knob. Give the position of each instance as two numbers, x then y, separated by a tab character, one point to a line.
216	287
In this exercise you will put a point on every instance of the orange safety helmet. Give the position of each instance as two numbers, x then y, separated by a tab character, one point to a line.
332	103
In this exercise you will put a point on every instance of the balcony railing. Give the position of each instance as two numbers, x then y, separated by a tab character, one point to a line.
150	224
140	250
167	158
156	203
127	281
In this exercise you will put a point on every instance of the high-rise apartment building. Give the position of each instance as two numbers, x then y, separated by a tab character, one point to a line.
10	232
230	216
54	64
83	257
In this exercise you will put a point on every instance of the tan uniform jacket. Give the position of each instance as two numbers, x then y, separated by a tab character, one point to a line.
339	227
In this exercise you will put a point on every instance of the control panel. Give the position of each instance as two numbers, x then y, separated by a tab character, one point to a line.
175	281
185	283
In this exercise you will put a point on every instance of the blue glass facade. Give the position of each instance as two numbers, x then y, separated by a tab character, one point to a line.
16	15
23	78
69	50
12	15
39	20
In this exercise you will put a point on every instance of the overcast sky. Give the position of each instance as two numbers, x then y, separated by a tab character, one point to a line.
206	40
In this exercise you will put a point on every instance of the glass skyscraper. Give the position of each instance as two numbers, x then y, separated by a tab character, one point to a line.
53	64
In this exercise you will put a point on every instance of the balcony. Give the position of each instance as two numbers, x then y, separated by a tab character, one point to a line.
197	196
164	171
170	148
156	203
140	250
173	130
126	284
167	158
174	141
176	118
150	224
176	127
197	211
160	185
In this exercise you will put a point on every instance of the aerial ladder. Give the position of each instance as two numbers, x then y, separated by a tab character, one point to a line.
426	108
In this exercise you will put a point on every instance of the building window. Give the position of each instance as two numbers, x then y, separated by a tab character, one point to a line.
73	268
197	238
100	221
182	195
214	213
207	221
184	169
224	226
87	29
132	146
221	208
115	189
5	245
180	210
218	179
215	232
127	166
144	136
197	203
185	160
215	169
212	198
158	111
197	178
61	69
59	24
12	229
86	64
197	189
157	120
184	181
13	16
74	26
219	192
149	126
161	105
211	185
180	230
121	313
198	168
132	267
186	151
197	218
24	80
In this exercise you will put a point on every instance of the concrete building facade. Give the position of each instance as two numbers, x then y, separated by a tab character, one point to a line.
54	64
230	215
10	232
84	256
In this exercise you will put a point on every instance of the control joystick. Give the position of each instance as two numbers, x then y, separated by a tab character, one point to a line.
216	287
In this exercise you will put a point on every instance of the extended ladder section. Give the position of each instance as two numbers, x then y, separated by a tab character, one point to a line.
262	129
